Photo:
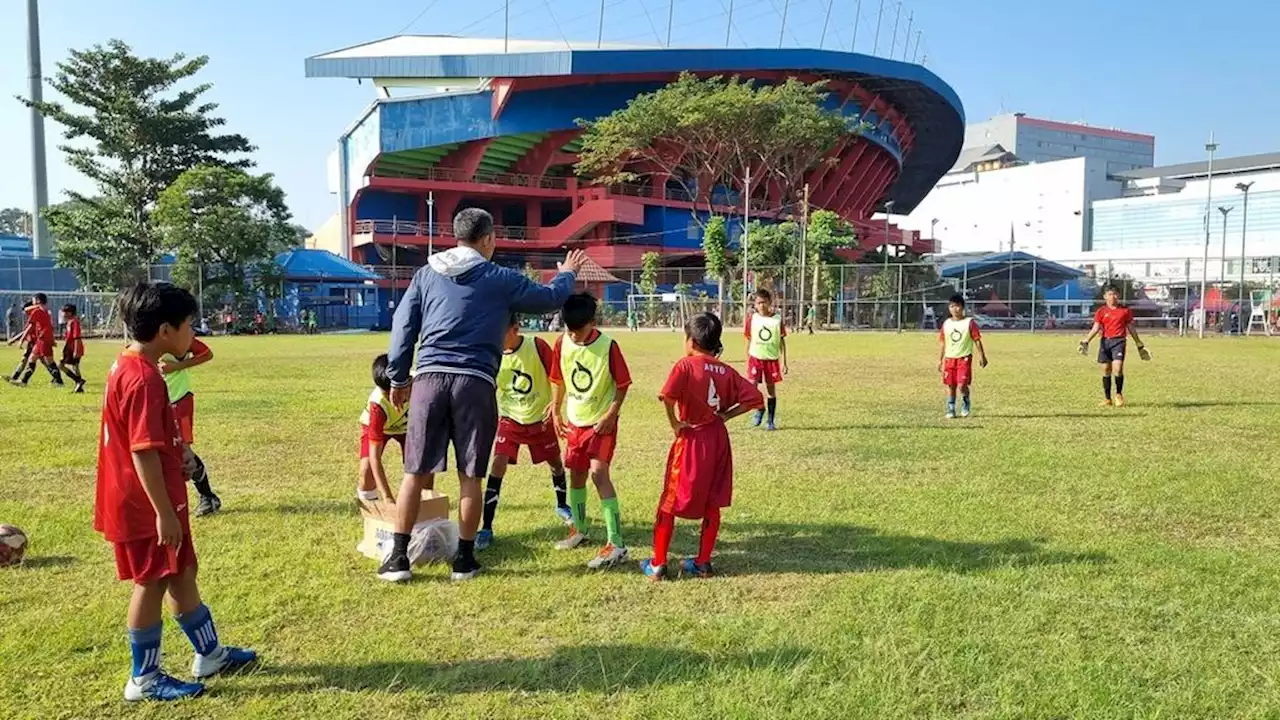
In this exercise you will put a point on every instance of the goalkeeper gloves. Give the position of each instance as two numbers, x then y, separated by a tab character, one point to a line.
1143	352
1084	347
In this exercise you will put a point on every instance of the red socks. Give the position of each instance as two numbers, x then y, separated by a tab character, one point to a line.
663	528
710	531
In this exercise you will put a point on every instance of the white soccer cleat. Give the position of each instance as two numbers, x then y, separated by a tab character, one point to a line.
224	659
951	415
574	540
609	556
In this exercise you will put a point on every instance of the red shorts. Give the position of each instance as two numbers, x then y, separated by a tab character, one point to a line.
364	442
42	349
540	438
759	371
144	561
699	472
583	445
185	412
957	372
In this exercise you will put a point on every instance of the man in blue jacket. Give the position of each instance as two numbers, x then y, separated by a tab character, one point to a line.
456	310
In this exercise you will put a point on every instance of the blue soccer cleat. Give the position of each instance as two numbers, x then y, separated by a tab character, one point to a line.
691	567
759	418
161	687
771	426
224	659
484	539
565	513
655	573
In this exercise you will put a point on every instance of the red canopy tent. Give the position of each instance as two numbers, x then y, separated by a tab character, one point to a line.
1215	302
995	306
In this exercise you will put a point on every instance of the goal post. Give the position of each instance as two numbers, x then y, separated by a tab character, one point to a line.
658	309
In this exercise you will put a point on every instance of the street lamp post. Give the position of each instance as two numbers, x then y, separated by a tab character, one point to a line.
1211	147
1222	265
1243	187
431	221
933	234
888	207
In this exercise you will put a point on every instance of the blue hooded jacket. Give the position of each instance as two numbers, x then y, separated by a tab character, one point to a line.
457	310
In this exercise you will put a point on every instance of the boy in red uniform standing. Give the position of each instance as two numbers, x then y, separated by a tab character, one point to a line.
1115	323
700	394
72	347
39	333
141	505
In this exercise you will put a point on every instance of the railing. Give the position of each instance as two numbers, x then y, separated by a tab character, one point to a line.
515	233
758	205
393	272
485	177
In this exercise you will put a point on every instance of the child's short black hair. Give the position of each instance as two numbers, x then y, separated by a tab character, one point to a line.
40	298
956	299
1110	289
579	311
380	376
472	224
69	309
147	306
764	294
704	329
515	320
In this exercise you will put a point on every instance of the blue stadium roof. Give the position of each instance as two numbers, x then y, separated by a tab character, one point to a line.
932	107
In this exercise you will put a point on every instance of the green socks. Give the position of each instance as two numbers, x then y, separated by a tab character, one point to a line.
578	503
613	520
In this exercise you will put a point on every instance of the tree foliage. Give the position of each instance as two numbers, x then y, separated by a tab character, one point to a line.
770	246
650	263
227	222
132	131
15	221
96	239
715	248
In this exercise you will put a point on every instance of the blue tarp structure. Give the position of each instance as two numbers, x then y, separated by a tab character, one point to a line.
341	293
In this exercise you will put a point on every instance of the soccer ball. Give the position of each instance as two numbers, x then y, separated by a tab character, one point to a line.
13	545
433	541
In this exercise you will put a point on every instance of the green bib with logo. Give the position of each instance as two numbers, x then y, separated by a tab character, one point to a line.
524	391
178	383
766	337
958	336
587	381
397	418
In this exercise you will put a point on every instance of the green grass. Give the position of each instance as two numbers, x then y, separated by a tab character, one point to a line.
1043	559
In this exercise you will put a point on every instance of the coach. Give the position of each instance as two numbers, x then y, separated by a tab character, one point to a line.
456	310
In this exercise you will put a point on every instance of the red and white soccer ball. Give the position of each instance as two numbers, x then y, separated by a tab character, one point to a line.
13	545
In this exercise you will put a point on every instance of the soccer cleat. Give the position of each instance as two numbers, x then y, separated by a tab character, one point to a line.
565	513
1119	400
208	505
771	426
574	540
951	414
609	556
965	410
484	539
225	659
159	686
465	569
757	419
79	389
656	573
1106	403
691	567
17	383
396	569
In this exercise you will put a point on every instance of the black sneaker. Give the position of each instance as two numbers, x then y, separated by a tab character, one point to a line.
208	505
396	569
79	388
465	568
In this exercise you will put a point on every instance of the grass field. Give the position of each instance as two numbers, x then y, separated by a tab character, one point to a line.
1043	559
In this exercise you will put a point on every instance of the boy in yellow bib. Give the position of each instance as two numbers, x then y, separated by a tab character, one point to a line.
766	344
959	337
381	421
588	367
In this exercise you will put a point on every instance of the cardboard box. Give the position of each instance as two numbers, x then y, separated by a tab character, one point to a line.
380	521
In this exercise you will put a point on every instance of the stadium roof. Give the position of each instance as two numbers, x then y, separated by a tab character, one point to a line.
995	266
1192	170
931	106
321	265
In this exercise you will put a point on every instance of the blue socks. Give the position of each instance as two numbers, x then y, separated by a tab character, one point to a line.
144	644
966	403
198	625
951	405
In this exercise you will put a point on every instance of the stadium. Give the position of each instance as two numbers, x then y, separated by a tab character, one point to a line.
493	124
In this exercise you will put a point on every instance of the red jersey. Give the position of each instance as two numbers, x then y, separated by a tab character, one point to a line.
1114	321
702	386
40	323
74	341
617	364
136	416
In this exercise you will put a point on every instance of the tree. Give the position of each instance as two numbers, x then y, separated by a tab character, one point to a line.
715	247
225	223
827	233
770	246
300	234
15	221
131	132
95	238
648	285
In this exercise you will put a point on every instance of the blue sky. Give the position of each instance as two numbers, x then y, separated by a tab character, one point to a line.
1157	66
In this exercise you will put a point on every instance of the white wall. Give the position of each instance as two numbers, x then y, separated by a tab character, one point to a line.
1044	203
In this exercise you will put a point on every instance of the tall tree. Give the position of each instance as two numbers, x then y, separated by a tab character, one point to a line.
15	221
132	131
225	222
96	239
770	246
650	263
827	233
715	248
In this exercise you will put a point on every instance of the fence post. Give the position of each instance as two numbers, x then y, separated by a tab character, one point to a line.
1033	297
900	266
19	275
1186	296
964	282
840	306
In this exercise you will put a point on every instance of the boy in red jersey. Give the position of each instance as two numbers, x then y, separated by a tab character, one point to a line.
141	506
700	394
381	421
766	335
1115	323
72	347
39	332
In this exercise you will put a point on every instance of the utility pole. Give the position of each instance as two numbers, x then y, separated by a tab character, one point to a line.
804	248
746	223
1211	147
1243	187
41	244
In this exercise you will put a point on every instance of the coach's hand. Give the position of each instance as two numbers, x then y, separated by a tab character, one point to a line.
574	261
400	395
169	529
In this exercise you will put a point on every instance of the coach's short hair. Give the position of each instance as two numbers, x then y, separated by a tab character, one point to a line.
147	306
472	225
579	310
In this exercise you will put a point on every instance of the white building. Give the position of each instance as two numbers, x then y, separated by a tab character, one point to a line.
1035	140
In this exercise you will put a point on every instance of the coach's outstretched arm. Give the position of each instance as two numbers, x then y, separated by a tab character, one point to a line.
406	325
528	296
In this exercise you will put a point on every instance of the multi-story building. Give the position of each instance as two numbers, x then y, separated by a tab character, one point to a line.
1034	140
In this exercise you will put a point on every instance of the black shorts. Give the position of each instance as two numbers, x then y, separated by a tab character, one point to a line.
447	409
1112	350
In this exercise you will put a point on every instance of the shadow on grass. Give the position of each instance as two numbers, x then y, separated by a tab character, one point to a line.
1118	414
939	425
48	561
306	507
1183	404
590	668
824	549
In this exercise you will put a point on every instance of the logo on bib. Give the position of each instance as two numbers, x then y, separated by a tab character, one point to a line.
957	336
580	371
765	334
521	383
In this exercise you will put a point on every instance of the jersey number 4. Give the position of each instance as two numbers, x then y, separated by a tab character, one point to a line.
713	399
